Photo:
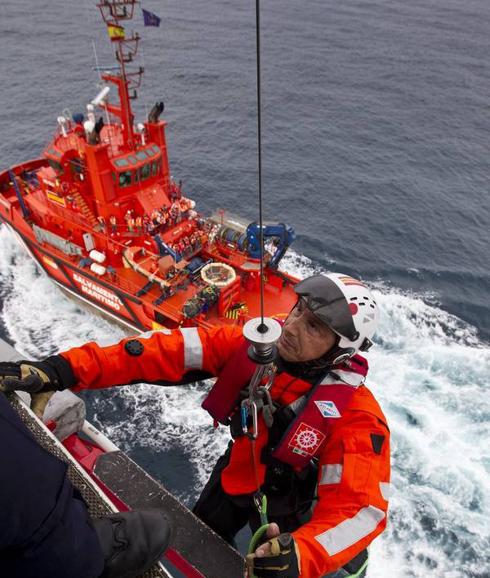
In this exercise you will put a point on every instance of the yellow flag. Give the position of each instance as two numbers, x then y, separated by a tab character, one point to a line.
115	31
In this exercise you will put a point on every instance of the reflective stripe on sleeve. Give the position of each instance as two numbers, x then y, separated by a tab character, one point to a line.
351	530
192	348
331	474
385	489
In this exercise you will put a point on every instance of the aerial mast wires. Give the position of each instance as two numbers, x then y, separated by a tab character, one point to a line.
115	12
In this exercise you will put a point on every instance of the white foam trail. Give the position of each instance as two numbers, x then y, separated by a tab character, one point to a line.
38	317
430	377
428	371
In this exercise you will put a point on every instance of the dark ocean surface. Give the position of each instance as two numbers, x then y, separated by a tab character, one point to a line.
376	141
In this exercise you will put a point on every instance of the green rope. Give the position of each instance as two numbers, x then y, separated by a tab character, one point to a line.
263	510
257	538
259	534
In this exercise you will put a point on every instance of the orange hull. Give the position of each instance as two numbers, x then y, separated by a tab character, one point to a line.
115	294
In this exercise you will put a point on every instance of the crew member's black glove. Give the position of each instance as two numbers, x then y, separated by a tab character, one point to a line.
51	374
282	562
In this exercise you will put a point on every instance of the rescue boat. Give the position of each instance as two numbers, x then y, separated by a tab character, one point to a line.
101	214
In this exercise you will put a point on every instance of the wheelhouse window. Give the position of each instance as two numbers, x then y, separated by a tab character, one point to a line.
145	171
141	155
76	165
125	179
155	167
56	166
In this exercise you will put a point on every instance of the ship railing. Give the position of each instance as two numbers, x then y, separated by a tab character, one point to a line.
132	288
69	142
73	218
123	283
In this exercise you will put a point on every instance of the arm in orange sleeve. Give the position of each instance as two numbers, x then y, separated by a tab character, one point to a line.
353	487
166	357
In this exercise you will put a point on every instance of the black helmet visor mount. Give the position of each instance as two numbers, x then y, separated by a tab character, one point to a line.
327	302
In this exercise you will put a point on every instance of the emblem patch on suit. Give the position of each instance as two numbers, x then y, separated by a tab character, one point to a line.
306	440
328	408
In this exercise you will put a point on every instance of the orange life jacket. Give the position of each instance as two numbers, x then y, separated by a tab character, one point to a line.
315	410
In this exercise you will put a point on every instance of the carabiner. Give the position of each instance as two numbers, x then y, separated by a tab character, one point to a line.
244	415
255	422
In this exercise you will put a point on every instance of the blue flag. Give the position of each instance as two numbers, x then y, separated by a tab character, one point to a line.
150	18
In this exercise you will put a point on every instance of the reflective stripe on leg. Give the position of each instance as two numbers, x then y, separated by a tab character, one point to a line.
351	530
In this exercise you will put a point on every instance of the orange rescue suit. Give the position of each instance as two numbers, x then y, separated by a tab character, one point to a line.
354	462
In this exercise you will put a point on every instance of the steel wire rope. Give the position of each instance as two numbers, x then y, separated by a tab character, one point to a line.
262	327
260	498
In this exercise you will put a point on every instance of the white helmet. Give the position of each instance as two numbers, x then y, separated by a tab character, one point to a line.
346	306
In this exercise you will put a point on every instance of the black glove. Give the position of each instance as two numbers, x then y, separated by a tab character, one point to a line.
51	374
282	561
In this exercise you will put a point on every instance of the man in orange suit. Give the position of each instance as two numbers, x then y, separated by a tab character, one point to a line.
321	455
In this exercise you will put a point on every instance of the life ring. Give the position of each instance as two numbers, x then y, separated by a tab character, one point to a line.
218	274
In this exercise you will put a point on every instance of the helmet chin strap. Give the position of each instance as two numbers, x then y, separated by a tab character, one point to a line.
338	355
315	368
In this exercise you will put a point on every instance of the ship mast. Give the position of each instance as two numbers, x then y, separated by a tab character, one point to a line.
114	13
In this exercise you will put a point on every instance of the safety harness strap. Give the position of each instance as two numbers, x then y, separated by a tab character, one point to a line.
310	428
224	396
307	433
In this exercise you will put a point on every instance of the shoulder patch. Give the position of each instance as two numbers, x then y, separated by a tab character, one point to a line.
328	408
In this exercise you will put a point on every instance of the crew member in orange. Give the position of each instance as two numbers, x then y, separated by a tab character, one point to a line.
101	220
322	452
113	223
139	224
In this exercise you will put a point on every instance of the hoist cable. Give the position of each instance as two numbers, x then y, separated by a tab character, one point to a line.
262	326
261	502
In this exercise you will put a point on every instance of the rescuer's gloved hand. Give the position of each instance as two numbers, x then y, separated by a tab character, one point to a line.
132	542
39	401
51	374
277	558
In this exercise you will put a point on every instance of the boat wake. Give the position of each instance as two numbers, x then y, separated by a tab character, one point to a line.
429	373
